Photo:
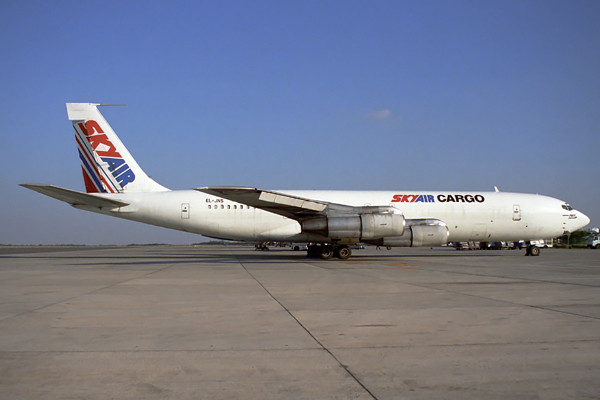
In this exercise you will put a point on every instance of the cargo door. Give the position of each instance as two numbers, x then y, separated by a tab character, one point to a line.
185	211
516	213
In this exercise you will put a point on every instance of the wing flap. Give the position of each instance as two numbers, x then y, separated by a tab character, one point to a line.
74	197
292	201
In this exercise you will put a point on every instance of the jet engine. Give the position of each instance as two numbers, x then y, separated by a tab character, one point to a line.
372	223
419	232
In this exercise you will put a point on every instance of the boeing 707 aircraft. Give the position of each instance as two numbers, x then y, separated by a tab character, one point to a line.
330	220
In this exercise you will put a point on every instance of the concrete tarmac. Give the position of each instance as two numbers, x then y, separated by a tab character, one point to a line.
216	322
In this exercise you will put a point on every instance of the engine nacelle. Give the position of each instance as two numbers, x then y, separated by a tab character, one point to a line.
367	226
418	233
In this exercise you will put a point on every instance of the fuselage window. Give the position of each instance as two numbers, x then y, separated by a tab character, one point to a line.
209	206
228	206
234	207
222	206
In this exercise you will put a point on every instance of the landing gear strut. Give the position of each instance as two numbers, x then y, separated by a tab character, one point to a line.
327	251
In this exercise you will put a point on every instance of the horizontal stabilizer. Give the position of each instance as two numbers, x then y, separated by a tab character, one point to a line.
74	197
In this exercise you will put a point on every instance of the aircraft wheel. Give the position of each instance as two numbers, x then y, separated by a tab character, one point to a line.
343	252
326	252
535	251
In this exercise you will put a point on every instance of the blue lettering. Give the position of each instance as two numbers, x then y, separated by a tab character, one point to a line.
120	170
126	177
430	198
113	163
420	199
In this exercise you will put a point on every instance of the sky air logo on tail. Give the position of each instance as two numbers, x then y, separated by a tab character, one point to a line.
104	169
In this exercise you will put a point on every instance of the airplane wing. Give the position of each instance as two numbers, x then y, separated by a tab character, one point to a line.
74	197
293	207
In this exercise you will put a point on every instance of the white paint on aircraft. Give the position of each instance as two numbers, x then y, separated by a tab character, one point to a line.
117	186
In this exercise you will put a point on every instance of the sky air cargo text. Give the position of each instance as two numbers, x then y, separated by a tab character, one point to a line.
442	198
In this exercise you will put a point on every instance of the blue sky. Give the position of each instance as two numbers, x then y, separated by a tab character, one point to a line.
399	95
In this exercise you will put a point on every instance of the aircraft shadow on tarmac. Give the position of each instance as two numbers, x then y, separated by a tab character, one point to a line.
157	256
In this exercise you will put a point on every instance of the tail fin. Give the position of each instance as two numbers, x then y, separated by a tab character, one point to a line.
107	165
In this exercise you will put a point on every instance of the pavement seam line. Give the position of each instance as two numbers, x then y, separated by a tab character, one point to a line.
345	367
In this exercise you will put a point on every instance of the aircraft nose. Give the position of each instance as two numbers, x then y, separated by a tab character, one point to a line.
576	220
584	219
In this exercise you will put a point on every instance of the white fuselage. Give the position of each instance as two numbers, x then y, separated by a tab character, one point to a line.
470	216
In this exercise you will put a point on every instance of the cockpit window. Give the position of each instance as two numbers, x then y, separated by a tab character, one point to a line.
567	207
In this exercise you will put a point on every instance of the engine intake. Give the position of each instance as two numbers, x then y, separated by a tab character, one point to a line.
372	223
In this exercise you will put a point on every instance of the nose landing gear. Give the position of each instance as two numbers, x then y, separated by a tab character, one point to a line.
532	251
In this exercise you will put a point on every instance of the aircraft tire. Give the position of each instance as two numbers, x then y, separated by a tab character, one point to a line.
326	252
343	252
535	251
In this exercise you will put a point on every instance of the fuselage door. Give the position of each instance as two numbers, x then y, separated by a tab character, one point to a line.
185	211
516	213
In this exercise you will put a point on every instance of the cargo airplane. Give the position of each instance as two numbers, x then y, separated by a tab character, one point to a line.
329	220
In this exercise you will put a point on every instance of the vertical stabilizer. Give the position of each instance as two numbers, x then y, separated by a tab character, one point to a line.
107	165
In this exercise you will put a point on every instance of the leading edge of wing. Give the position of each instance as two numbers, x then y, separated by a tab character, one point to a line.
286	205
73	197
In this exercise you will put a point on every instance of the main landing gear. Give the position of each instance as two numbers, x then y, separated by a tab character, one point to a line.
532	251
328	251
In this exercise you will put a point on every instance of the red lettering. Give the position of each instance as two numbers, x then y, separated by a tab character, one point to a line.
97	140
404	198
83	128
90	128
